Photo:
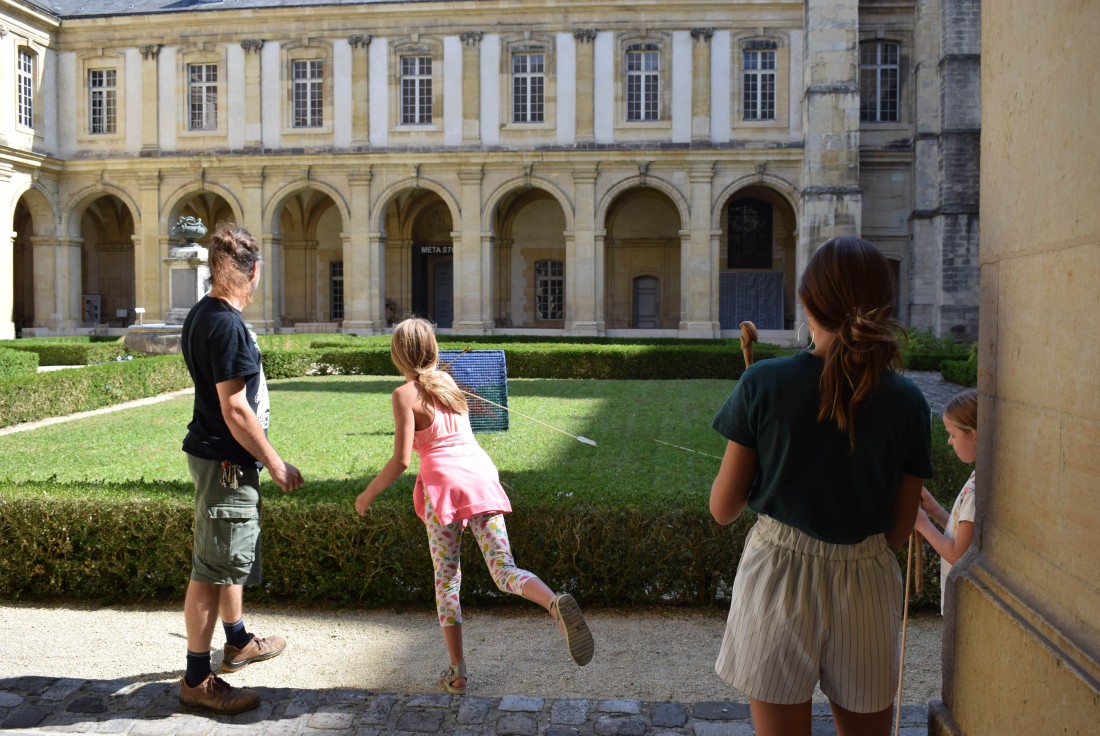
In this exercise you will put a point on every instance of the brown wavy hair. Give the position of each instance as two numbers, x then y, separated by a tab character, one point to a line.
415	352
848	287
233	251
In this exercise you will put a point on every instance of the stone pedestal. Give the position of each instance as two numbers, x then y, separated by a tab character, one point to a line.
188	274
153	339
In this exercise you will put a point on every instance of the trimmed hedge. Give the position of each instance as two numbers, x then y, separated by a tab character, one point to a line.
52	547
17	364
57	393
55	351
962	372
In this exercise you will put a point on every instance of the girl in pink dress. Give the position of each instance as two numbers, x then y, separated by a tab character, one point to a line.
457	487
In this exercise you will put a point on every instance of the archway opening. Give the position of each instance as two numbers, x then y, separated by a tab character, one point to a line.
642	261
529	261
107	263
419	258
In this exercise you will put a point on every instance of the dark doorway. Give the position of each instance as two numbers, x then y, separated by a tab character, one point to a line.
433	282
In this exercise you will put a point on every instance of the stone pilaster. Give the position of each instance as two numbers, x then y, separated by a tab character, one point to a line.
360	89
471	87
253	103
584	261
700	84
586	84
831	200
364	264
266	311
150	247
472	260
150	53
699	260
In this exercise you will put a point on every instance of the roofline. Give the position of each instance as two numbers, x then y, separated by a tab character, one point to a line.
32	9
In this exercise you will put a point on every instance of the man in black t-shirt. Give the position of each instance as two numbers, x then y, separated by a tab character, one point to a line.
226	446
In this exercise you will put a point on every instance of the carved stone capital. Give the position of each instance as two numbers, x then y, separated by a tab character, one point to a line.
702	34
359	41
252	44
584	35
149	51
471	38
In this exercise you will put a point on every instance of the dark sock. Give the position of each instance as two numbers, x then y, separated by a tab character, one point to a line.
198	667
236	635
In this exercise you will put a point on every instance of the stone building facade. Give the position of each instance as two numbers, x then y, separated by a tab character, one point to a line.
577	168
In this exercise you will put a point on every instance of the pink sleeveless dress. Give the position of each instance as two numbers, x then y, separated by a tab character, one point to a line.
457	476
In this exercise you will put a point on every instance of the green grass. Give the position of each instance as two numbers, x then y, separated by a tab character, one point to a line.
339	432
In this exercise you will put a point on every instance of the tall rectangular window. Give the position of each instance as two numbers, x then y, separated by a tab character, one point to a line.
336	290
25	84
879	75
759	88
416	90
102	101
309	93
643	83
203	84
549	290
528	87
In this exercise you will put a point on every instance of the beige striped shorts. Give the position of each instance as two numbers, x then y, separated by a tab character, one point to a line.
806	611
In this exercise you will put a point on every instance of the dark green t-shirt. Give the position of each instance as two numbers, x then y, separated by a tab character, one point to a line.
809	476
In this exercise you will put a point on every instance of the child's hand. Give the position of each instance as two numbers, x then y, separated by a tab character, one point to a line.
928	502
363	502
923	523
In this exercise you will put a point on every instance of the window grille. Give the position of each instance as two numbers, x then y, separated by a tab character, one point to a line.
549	290
309	93
203	84
750	234
102	101
643	80
879	75
416	90
25	84
528	87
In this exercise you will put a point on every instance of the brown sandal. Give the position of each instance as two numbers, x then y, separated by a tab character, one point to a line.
451	675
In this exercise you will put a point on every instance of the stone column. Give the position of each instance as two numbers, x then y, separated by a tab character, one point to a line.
253	94
700	84
7	293
360	92
364	264
831	200
44	253
68	299
150	98
150	246
501	248
582	291
266	311
472	265
471	87
698	262
586	84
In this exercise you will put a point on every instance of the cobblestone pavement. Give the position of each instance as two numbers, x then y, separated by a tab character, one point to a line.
52	705
35	704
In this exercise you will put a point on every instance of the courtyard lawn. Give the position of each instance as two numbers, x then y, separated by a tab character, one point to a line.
339	432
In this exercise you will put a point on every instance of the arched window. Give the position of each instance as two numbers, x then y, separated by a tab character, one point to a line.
549	290
750	234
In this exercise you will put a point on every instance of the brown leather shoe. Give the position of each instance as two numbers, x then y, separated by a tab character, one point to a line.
216	695
256	650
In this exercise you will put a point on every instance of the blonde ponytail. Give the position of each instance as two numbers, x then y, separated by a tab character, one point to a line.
415	352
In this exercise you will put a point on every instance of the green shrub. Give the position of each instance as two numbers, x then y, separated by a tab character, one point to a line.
962	372
926	352
17	363
58	393
57	351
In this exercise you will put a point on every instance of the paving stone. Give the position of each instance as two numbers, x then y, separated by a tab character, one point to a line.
914	715
617	726
260	714
561	732
115	723
344	695
432	700
570	711
302	703
723	728
106	686
27	716
29	685
372	731
823	728
420	720
517	725
282	728
161	727
519	703
472	710
88	704
668	715
61	689
720	710
913	731
10	700
821	710
378	711
189	724
334	720
626	707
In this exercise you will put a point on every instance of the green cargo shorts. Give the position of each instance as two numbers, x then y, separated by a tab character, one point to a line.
227	525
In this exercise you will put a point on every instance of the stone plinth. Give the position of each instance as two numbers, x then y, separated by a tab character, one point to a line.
154	339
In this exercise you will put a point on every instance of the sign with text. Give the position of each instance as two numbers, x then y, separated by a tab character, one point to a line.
437	250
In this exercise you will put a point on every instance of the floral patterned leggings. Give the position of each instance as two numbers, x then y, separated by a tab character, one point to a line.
444	542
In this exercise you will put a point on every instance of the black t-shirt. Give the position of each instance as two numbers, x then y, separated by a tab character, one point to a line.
218	346
809	476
